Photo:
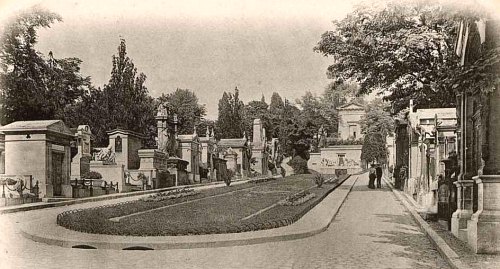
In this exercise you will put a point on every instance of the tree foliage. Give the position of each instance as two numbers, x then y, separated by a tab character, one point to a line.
374	148
376	125
184	103
377	119
402	48
256	110
122	103
33	86
230	123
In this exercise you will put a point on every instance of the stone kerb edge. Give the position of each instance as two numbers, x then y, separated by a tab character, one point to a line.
198	244
444	249
28	207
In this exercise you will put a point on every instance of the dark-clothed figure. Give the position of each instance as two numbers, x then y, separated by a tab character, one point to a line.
378	172
372	175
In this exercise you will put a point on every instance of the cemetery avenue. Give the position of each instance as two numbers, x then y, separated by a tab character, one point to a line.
250	134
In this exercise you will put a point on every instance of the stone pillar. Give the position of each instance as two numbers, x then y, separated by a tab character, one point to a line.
257	133
484	226
464	185
464	209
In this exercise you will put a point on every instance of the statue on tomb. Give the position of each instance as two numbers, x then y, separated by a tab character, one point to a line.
106	155
162	110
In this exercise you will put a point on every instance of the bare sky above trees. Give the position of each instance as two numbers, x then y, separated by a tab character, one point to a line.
207	46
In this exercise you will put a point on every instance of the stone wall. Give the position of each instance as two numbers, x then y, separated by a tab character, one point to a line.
110	172
327	161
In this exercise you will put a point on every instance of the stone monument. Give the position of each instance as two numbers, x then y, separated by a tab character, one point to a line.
80	164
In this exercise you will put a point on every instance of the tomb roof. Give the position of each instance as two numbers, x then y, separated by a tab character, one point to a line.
125	132
56	126
233	142
351	106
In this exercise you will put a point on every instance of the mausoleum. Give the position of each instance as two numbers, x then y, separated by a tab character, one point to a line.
40	149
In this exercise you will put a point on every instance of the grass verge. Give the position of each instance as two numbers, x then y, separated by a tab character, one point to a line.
225	213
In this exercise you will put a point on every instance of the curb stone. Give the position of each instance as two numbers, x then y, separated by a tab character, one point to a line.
28	207
230	240
444	249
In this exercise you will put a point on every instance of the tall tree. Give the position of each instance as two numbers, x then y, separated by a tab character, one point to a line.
122	103
32	86
312	115
277	105
276	115
256	110
377	119
185	104
403	48
230	122
376	125
374	148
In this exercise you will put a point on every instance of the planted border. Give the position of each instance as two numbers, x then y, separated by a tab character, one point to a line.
277	217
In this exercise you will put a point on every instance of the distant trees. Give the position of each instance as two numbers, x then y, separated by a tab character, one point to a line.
122	103
231	112
376	125
184	103
257	110
33	86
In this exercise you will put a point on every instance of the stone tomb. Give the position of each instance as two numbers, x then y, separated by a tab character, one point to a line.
259	148
190	150
126	145
80	163
240	164
41	149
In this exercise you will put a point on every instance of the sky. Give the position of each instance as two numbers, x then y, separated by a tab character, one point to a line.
207	46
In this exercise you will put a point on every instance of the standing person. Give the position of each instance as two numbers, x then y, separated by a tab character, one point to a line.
379	175
372	176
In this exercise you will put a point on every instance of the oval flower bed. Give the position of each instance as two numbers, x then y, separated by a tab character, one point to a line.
220	210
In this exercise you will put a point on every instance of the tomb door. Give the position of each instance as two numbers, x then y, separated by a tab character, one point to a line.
57	173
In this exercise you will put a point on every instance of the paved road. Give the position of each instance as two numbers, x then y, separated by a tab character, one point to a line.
372	230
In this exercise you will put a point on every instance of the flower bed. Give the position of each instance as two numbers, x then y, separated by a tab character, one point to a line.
173	194
297	199
225	212
261	180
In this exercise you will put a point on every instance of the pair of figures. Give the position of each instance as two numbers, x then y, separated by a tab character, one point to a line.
375	173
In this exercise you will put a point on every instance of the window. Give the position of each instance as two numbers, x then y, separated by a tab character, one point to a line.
118	144
352	130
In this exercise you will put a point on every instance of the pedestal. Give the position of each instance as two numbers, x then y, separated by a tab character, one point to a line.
464	209
484	226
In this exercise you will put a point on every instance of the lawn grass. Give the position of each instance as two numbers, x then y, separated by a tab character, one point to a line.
219	214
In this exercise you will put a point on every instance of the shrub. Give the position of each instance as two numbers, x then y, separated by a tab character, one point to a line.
299	165
228	177
319	179
271	166
297	198
92	175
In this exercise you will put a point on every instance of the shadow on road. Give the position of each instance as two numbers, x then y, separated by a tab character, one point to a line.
365	188
416	245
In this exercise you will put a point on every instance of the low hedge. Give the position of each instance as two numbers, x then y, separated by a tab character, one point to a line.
171	222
